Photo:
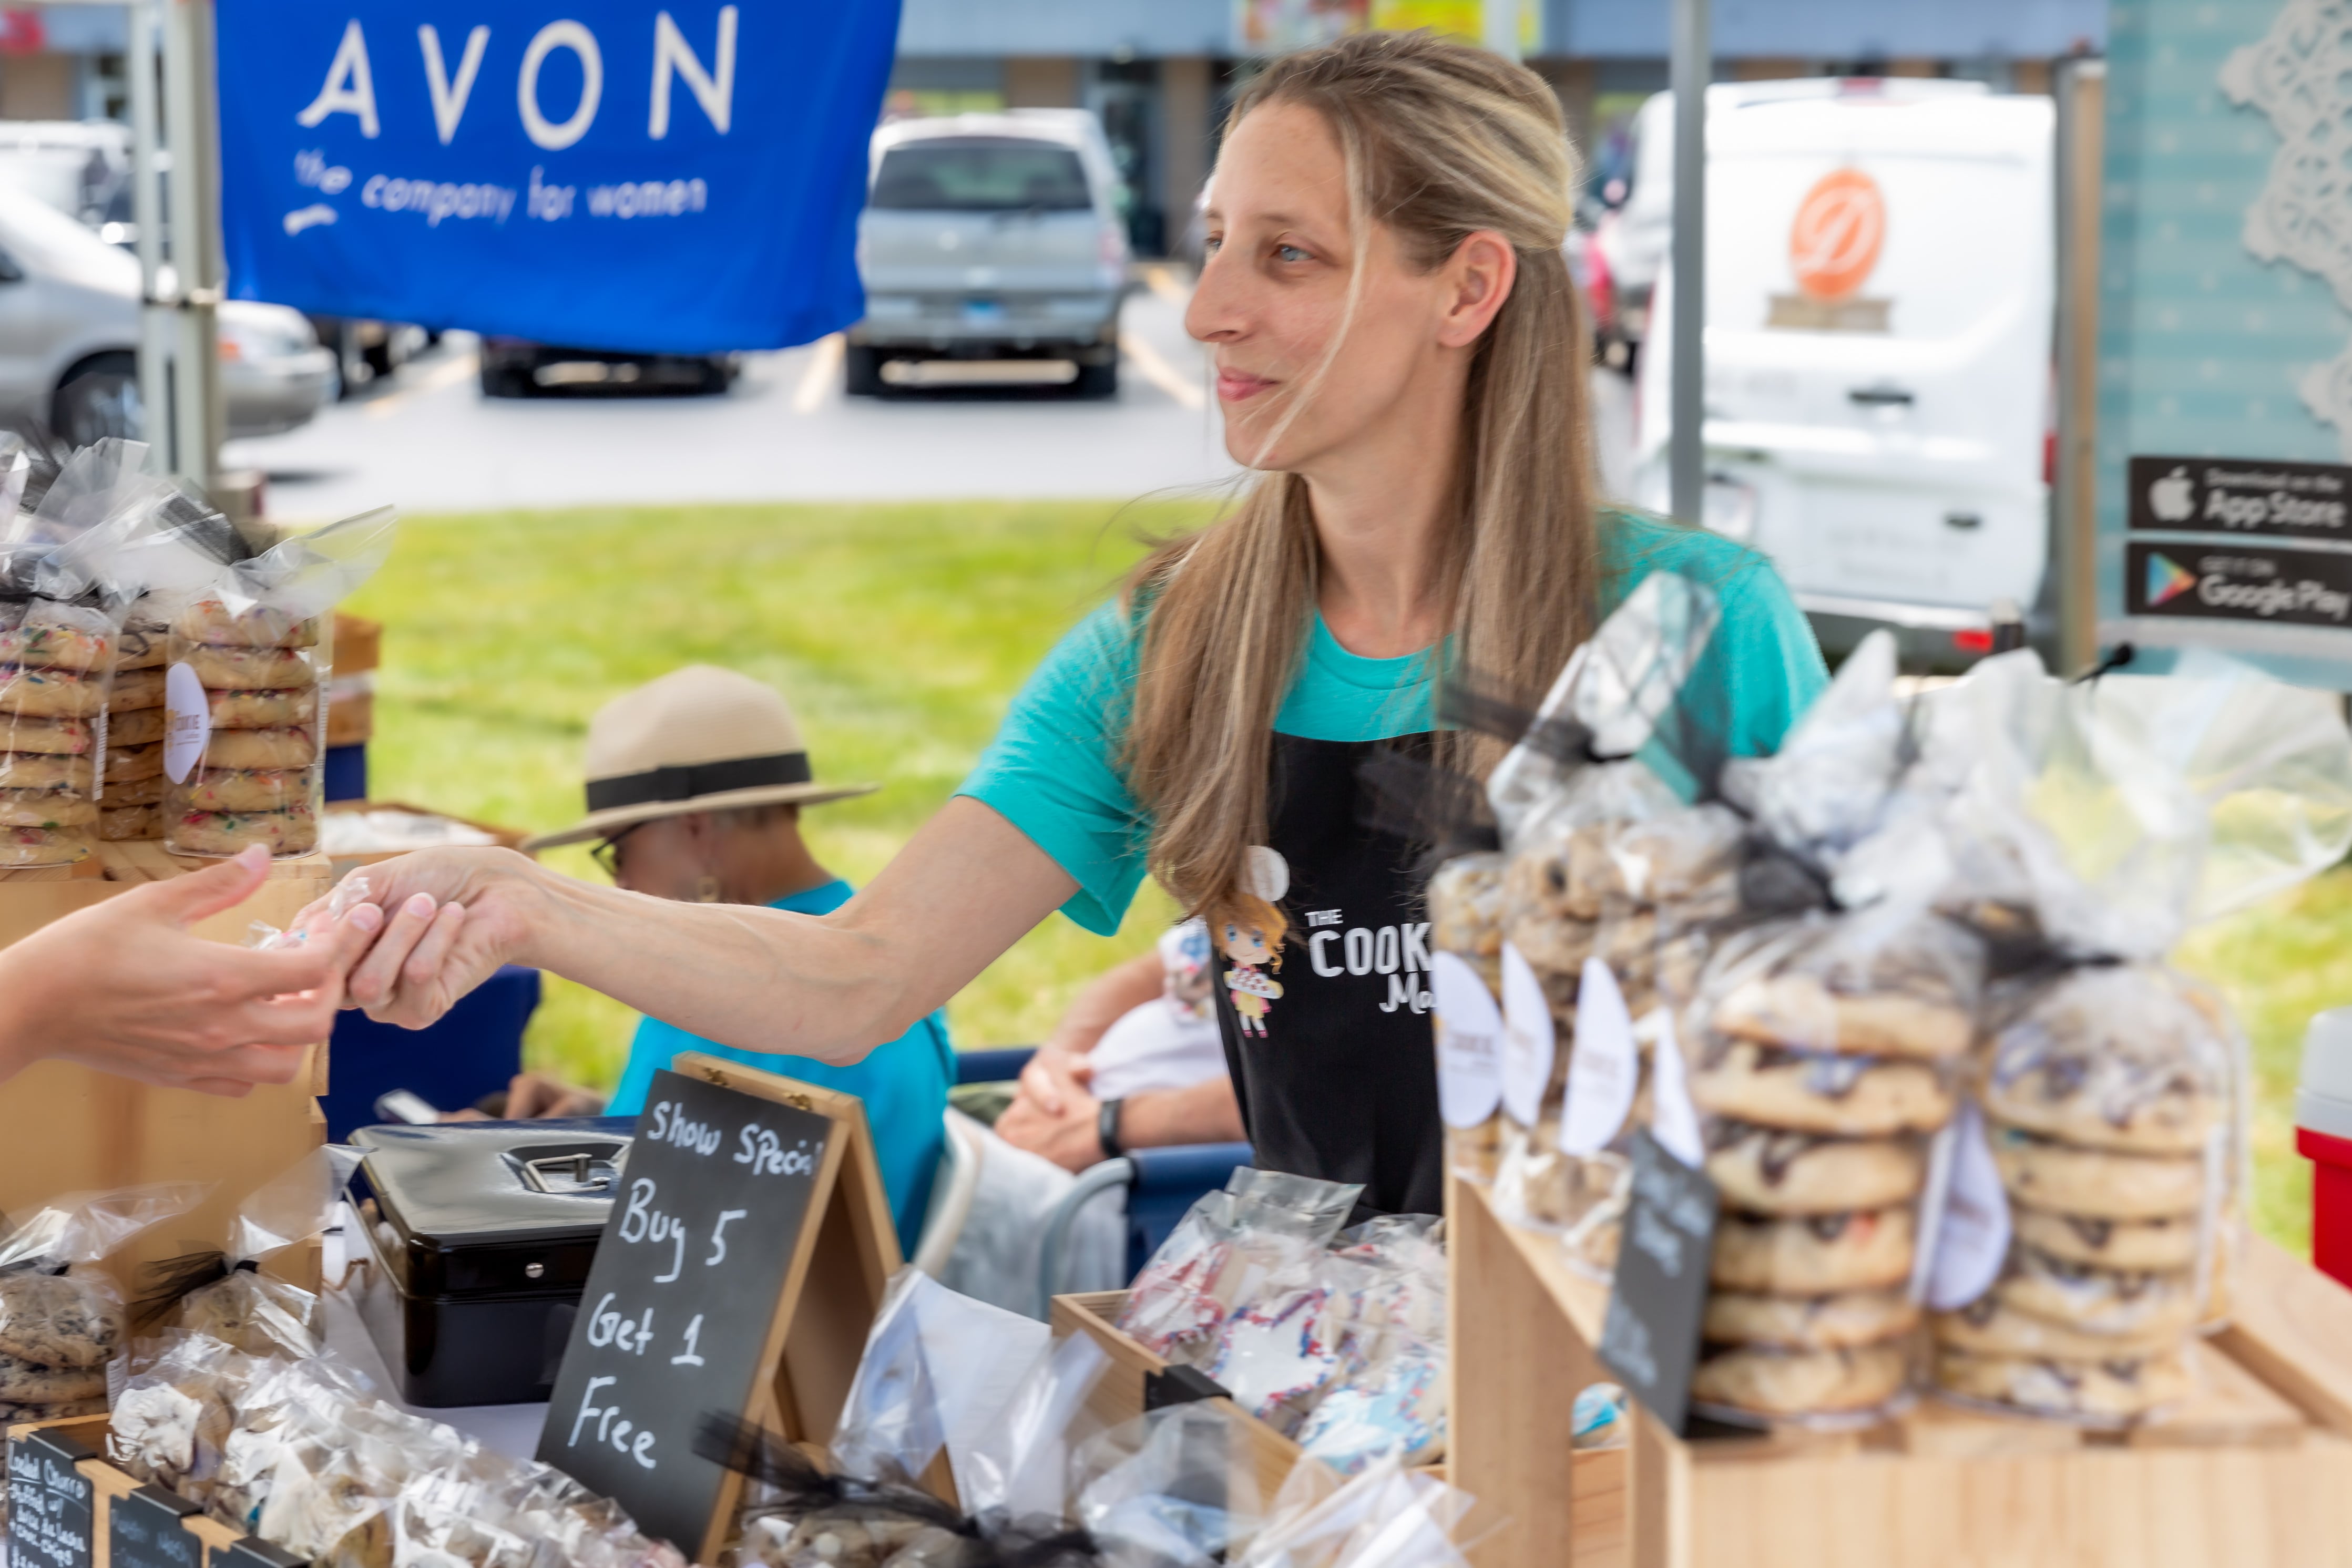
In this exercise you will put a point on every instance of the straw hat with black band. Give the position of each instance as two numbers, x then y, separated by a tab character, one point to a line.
697	740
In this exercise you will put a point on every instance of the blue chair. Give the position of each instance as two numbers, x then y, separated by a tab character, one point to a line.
1161	1184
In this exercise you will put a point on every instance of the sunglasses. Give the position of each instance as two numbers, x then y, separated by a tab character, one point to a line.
606	853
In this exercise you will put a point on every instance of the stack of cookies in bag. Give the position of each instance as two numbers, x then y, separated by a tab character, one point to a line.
53	673
250	776
131	799
1642	888
1825	1053
57	1331
2109	1103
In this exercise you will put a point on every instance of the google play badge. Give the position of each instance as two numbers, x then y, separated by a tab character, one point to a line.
2167	579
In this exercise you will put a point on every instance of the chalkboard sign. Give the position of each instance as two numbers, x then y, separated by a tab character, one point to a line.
143	1531
700	1298
1651	1337
52	1506
252	1552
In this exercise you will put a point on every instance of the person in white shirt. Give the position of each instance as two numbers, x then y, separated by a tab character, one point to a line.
1135	1063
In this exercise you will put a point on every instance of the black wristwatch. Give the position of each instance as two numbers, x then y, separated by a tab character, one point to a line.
1106	1129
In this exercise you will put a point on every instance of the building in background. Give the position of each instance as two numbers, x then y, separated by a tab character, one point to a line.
63	62
1161	72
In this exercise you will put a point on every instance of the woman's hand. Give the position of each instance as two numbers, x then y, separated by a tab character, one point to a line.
1054	1112
124	988
451	918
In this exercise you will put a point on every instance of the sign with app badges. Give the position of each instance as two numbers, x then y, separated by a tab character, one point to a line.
2224	418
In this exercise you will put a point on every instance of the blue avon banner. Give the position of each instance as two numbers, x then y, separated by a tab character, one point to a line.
660	175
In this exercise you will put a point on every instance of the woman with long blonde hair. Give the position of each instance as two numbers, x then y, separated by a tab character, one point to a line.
1400	353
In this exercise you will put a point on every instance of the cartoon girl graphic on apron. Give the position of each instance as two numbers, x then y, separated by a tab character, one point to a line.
1250	943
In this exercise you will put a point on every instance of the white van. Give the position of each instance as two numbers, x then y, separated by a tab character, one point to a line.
1880	278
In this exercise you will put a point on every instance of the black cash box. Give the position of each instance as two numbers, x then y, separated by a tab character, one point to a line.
477	1248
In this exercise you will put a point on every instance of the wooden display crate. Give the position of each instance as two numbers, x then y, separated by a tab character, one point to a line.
2256	1469
68	1128
1118	1397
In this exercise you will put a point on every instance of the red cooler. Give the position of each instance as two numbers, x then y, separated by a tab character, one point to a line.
2323	1134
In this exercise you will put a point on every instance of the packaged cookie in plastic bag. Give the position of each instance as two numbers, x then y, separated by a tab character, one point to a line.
1825	1053
62	1316
187	546
1262	1225
245	693
224	1295
1595	759
172	1420
2111	1167
59	617
1384	1516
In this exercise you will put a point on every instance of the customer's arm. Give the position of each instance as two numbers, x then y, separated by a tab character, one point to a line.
1106	998
833	986
1061	1064
1071	1135
123	987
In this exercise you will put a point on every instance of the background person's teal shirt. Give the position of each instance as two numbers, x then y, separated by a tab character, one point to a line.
1053	770
904	1084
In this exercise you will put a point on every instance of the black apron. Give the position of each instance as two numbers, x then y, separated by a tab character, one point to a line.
1336	1075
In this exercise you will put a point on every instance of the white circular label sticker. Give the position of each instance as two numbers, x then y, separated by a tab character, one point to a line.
1469	1043
1971	1237
1527	1039
187	723
1605	1067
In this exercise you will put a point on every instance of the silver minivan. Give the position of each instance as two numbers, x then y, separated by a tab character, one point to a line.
993	241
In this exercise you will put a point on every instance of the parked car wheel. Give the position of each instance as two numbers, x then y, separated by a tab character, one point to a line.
861	370
1098	381
503	381
99	398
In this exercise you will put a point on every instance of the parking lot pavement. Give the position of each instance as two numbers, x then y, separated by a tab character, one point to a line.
428	441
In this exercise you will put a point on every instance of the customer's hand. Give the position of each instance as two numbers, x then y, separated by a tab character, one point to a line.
1054	1113
452	917
532	1098
124	988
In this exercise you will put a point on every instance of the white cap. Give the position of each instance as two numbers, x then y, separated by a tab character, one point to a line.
2323	1103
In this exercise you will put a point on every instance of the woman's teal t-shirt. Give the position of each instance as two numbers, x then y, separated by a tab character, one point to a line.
904	1084
1053	771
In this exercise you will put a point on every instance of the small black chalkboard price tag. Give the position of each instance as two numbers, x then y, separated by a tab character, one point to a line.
252	1552
143	1531
52	1506
1651	1337
747	1251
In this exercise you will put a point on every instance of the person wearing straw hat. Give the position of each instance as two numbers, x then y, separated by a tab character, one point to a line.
696	783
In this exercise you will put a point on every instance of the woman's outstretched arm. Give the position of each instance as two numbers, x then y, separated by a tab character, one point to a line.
965	888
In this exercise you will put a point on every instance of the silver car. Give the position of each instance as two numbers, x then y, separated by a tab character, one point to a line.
69	337
991	237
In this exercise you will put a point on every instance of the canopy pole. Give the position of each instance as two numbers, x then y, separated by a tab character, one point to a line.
192	131
1687	451
142	62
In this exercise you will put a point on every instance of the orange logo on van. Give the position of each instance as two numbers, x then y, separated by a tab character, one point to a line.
1834	242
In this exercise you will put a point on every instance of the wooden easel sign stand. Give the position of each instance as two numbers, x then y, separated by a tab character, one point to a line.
748	1249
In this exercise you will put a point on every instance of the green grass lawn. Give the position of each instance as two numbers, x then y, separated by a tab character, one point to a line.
2279	963
900	632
